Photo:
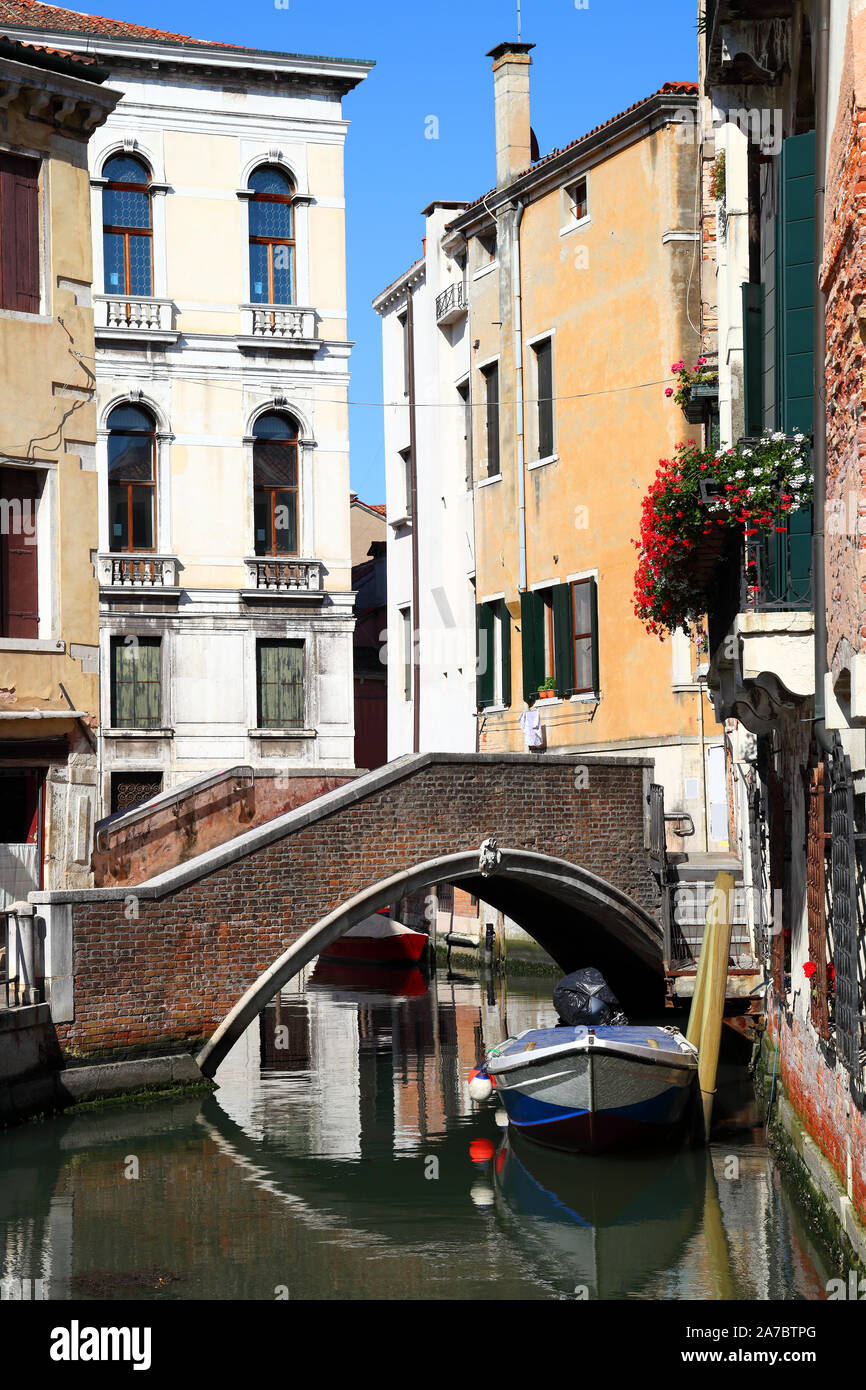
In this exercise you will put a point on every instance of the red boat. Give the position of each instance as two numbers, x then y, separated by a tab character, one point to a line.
378	940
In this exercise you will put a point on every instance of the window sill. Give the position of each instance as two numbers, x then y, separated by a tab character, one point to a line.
575	226
23	317
282	733
138	733
32	644
492	478
493	709
485	270
400	521
540	463
591	698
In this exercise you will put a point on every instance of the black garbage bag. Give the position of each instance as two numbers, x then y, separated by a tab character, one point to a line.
584	997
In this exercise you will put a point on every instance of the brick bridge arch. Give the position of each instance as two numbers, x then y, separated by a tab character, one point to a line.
179	960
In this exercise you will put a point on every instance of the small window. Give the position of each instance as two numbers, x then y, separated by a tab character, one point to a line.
578	201
131	479
127	236
280	680
585	626
272	237
493	662
406	480
466	424
406	650
547	620
19	233
403	321
130	789
275	484
544	393
136	683
19	570
491	417
486	247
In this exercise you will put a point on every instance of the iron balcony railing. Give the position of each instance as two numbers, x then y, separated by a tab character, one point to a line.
452	303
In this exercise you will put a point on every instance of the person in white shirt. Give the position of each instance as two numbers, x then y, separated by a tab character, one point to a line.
530	723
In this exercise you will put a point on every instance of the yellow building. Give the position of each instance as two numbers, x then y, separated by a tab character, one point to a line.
49	602
583	283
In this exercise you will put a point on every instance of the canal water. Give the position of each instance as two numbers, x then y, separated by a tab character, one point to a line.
342	1157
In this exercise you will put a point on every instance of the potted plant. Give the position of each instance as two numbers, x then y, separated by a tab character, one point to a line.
695	388
697	501
547	689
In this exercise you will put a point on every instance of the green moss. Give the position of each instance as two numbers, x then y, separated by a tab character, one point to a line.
145	1097
470	961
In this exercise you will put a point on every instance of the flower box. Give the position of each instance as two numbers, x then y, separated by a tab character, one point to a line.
694	410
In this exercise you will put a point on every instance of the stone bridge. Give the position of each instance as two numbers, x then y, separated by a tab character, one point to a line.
186	959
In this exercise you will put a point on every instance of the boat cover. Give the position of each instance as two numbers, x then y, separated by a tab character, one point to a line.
584	996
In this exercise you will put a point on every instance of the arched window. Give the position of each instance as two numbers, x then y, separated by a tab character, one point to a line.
131	479
275	484
272	237
127	235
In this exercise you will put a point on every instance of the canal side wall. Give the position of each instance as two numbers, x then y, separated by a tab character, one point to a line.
161	965
821	1119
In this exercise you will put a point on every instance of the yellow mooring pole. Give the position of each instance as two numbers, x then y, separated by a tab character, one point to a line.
708	1001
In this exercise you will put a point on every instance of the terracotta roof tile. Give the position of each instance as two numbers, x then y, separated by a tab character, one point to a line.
32	14
667	88
85	59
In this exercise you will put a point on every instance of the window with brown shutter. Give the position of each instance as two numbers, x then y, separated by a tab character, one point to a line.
19	582
19	233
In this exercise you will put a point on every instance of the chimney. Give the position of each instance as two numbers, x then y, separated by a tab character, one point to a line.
511	64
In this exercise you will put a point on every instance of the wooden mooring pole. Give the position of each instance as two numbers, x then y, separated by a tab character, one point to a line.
708	1002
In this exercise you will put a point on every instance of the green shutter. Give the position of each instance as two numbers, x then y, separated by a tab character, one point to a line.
563	639
799	557
506	652
147	684
484	674
593	589
532	643
795	284
753	355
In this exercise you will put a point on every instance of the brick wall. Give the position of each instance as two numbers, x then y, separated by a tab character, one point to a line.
173	834
168	970
821	1094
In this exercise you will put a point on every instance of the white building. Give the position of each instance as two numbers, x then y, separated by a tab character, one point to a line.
226	609
431	592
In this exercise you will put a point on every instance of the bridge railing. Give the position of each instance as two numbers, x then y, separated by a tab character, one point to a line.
19	956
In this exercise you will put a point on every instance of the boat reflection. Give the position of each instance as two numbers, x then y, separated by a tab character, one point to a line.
356	983
608	1223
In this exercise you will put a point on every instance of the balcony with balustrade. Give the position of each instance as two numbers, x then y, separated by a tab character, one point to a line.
130	319
280	579
147	576
452	304
279	328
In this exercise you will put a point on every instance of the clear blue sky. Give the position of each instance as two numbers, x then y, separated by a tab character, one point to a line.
589	63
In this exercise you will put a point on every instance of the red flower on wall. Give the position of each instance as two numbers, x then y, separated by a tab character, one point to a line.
809	969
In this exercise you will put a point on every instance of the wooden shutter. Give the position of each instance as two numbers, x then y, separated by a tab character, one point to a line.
491	378
532	642
484	674
563	639
795	283
148	684
593	595
753	357
281	685
19	573
19	234
506	652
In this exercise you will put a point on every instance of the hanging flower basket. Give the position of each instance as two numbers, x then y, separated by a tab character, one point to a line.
697	499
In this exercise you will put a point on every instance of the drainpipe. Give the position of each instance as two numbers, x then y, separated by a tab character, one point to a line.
518	388
413	490
819	451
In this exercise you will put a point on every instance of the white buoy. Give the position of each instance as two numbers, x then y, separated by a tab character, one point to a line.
501	1118
481	1087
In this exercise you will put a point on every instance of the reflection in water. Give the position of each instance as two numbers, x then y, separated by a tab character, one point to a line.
334	1162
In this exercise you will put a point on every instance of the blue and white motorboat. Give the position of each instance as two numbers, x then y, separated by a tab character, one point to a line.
589	1089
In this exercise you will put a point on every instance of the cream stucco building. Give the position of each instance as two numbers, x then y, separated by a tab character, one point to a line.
222	453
